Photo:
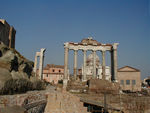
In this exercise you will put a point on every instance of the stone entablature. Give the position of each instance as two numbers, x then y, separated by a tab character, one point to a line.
86	46
91	45
7	34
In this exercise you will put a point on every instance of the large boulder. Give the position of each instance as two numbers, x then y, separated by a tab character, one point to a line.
16	72
19	75
14	61
4	77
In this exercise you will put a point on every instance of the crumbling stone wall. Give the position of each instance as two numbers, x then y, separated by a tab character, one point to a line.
29	101
7	34
64	102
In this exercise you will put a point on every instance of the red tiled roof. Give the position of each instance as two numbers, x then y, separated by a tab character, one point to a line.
53	66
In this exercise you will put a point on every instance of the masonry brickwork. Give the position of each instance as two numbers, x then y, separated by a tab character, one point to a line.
64	102
7	34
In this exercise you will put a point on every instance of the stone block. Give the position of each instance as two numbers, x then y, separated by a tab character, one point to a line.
103	86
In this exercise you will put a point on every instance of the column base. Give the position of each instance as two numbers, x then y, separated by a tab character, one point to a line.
65	81
84	80
114	80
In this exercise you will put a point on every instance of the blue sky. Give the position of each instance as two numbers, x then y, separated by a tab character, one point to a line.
50	23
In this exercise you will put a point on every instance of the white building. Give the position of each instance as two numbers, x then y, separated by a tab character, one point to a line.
89	68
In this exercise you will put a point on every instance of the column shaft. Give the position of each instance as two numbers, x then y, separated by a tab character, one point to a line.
41	67
84	65
75	63
41	63
114	62
112	65
66	63
94	64
35	64
103	66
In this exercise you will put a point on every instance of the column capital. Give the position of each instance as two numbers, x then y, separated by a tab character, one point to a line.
66	47
94	50
84	50
37	54
75	49
66	44
43	49
115	45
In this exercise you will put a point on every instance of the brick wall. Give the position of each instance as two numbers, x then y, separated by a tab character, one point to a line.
7	34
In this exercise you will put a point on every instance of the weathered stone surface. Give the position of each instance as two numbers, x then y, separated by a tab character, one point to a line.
4	76
64	102
13	109
76	86
15	72
37	84
18	75
26	67
103	86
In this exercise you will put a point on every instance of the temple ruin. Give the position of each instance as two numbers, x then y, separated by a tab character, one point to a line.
40	71
90	45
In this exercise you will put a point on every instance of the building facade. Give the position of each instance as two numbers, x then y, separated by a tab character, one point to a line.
89	68
129	78
53	73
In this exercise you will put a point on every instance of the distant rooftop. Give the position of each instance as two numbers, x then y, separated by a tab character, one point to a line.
53	66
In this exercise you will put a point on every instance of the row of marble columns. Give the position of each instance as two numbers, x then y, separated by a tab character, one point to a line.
113	64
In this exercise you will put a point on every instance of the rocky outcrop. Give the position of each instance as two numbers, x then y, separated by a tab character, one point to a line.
16	73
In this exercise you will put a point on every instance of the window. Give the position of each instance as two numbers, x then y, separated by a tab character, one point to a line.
133	82
122	82
59	71
127	82
53	70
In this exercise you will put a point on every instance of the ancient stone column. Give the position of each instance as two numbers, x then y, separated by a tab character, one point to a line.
35	62
114	62
84	66
103	66
94	64
66	67
75	63
41	63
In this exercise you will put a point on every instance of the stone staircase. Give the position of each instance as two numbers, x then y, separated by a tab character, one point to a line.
64	102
